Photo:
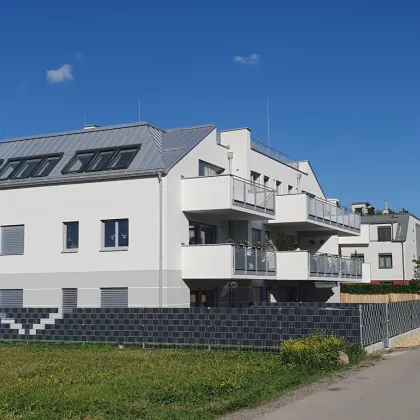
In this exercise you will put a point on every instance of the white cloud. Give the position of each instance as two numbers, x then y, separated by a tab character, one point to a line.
62	74
251	60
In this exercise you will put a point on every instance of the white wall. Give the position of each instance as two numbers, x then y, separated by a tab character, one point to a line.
371	255
44	268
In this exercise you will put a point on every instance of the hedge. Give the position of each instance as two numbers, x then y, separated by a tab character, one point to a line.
381	289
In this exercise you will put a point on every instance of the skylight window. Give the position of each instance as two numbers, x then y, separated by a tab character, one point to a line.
27	168
9	168
101	160
123	158
46	166
79	162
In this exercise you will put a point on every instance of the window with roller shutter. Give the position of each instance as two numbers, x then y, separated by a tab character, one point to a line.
69	300
12	240
114	297
11	298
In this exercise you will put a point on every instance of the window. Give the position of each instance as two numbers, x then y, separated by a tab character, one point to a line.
27	168
255	177
290	189
46	166
69	300
79	162
266	181
278	187
385	260
207	169
114	297
71	236
123	158
9	168
201	233
359	256
256	235
115	233
384	234
11	298
12	240
101	160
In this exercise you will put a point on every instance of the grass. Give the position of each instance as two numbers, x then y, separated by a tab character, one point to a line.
46	381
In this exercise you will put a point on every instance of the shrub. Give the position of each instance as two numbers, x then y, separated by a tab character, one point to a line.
381	289
317	352
355	352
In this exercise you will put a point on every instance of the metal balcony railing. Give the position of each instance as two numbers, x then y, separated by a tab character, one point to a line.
251	261
334	266
329	213
252	196
274	154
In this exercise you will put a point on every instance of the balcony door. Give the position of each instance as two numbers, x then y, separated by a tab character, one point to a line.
201	234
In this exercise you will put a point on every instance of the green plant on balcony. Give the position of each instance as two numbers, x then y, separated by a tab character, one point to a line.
257	245
243	243
284	242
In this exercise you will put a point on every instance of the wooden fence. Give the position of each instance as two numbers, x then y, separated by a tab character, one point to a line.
392	297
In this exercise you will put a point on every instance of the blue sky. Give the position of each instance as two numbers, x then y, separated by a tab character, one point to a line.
342	78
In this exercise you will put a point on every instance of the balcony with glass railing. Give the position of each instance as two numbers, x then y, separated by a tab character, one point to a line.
305	265
229	196
305	212
227	261
274	154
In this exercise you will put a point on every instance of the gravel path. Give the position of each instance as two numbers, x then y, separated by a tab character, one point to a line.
298	394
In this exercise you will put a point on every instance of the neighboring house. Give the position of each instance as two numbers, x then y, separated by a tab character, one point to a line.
388	242
136	216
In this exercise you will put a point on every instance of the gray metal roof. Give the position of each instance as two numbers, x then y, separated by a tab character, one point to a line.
160	150
401	218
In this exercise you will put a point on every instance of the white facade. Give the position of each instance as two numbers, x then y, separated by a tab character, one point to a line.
168	213
390	258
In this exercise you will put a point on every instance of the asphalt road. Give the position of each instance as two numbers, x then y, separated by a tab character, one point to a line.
389	390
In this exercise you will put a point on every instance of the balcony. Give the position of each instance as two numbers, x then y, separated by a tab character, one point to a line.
303	212
273	154
305	265
228	197
226	261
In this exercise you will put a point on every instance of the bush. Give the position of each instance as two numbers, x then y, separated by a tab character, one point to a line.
317	352
355	352
381	289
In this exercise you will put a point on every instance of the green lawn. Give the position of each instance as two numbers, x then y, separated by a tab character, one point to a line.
99	382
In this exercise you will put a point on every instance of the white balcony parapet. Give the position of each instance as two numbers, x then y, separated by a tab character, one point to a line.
227	193
226	261
305	265
311	213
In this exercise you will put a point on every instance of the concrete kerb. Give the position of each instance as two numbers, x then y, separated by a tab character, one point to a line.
393	341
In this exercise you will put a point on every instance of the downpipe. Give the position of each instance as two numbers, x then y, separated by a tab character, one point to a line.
159	175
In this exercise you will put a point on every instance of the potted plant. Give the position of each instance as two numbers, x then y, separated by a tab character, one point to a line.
230	241
243	243
257	245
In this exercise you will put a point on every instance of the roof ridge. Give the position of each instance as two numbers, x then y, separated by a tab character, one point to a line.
194	127
80	131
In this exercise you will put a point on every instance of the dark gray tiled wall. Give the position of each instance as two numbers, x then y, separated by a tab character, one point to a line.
264	326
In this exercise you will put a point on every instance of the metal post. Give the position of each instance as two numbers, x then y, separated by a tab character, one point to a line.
246	259
386	329
256	261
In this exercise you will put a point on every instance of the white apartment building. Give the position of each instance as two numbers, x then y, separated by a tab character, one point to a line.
137	216
388	242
